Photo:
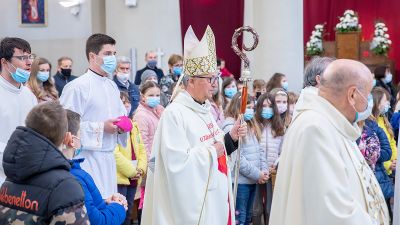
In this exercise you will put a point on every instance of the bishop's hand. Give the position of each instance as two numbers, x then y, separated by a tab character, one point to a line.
219	148
239	129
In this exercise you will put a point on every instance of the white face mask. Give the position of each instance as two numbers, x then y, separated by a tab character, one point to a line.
123	77
282	108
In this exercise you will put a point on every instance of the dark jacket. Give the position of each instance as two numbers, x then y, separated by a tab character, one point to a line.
60	81
395	122
99	212
138	77
386	152
133	92
39	188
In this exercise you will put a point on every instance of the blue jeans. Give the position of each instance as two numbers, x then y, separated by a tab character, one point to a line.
129	193
244	203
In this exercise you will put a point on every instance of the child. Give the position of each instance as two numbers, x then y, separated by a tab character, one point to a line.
278	80
131	163
229	89
381	98
253	166
293	97
216	105
100	212
147	116
40	188
272	115
259	88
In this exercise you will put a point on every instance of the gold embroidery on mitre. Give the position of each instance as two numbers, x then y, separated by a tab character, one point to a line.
195	65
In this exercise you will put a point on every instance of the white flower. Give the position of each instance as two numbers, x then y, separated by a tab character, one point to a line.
341	19
384	46
344	26
386	35
308	44
319	26
389	42
385	29
348	16
359	26
351	12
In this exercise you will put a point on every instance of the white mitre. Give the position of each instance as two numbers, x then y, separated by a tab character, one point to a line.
200	57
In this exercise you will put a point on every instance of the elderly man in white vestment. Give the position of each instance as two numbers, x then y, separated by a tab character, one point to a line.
322	177
190	183
95	98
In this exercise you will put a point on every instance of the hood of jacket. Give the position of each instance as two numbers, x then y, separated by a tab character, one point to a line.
28	153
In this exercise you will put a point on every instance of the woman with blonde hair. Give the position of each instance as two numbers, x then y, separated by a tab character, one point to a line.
40	82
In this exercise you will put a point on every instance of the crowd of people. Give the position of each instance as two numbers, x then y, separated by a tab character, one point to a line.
84	149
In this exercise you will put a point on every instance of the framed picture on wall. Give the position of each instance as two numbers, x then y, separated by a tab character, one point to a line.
33	13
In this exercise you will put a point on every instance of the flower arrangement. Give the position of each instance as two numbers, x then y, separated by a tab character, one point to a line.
314	45
348	22
380	44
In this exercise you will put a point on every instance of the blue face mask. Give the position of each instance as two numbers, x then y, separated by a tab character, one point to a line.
249	114
230	92
43	76
20	75
152	63
267	113
374	83
78	151
152	102
109	64
367	112
177	70
388	78
285	85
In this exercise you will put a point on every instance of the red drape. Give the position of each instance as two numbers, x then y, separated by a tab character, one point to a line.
223	16
369	11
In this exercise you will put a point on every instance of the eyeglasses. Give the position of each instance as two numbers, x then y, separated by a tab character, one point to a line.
211	80
25	57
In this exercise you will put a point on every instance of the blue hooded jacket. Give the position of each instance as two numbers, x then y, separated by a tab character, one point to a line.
99	212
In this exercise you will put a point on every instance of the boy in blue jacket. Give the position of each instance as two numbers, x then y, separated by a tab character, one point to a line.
100	211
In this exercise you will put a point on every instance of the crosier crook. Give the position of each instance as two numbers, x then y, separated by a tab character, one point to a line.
245	78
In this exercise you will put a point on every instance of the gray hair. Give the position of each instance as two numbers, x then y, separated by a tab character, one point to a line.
315	67
123	59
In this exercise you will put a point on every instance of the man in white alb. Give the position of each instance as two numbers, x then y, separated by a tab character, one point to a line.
96	99
16	100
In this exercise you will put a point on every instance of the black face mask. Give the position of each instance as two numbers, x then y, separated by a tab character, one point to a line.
66	72
258	94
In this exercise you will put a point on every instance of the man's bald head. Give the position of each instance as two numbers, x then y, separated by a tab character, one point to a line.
346	84
343	73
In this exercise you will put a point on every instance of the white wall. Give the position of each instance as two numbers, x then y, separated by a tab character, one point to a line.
64	35
280	49
151	24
